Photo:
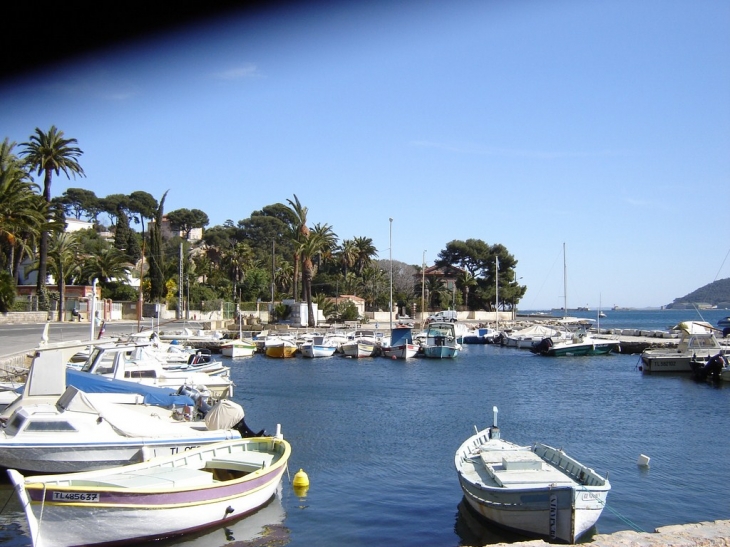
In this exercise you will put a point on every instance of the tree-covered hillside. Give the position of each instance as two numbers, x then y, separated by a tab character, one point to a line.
716	293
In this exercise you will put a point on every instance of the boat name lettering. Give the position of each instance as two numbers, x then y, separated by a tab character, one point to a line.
553	516
176	449
75	496
591	496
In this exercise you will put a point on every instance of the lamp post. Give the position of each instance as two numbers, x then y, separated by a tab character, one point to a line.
92	318
390	243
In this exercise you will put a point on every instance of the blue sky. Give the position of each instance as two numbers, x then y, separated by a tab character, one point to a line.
601	125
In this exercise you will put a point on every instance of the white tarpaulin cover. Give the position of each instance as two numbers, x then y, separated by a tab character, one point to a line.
224	415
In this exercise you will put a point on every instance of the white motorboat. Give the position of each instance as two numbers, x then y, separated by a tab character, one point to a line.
441	342
534	490
530	336
697	341
360	347
84	431
579	343
168	496
130	362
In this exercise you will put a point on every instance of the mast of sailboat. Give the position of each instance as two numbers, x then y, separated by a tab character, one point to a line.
565	285
390	243
496	288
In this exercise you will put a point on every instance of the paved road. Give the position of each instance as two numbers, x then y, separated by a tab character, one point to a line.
17	338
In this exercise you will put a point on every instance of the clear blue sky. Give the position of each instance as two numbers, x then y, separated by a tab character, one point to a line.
604	125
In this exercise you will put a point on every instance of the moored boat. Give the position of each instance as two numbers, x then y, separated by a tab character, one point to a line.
319	346
238	348
697	341
534	490
441	341
163	497
401	344
580	344
280	349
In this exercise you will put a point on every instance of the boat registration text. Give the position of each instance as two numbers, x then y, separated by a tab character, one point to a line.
76	496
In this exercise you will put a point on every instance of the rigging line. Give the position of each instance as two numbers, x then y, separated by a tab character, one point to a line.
545	280
721	265
624	519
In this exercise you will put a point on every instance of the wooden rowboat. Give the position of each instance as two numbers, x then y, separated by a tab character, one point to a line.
162	497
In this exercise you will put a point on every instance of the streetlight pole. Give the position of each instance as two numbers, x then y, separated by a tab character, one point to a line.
390	237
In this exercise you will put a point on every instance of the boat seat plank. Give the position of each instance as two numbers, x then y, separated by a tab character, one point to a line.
154	478
247	461
519	468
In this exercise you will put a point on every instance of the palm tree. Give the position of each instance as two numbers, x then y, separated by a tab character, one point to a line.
298	234
465	281
22	216
49	153
105	266
236	262
347	254
366	251
63	263
284	276
314	244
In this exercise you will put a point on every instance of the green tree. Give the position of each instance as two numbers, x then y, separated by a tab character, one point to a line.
106	266
22	211
156	256
186	220
7	291
78	202
63	263
365	253
48	153
298	234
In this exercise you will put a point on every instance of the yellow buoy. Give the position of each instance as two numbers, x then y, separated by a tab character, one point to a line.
301	479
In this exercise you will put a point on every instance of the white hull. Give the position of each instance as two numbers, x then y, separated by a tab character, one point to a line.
311	351
235	351
536	491
161	498
403	351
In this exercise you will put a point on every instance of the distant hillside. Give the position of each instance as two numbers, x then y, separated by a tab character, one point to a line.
716	293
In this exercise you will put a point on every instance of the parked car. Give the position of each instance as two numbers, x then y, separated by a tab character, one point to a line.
443	315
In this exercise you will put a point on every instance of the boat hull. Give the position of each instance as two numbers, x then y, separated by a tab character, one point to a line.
313	351
73	457
281	352
440	352
60	515
403	351
598	348
236	351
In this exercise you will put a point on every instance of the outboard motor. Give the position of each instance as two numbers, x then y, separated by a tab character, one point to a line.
542	346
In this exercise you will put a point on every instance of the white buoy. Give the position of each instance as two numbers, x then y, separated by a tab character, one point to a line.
643	460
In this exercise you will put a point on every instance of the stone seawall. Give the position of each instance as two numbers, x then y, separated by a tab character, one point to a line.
702	534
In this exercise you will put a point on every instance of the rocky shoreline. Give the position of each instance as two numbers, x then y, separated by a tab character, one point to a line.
701	534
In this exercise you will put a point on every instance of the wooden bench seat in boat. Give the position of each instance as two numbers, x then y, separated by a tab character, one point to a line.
155	478
520	468
247	461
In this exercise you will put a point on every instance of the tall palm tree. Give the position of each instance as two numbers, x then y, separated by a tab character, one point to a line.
347	254
465	281
366	251
63	263
49	153
236	261
298	234
314	244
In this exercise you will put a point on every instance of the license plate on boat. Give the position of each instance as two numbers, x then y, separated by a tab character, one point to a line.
76	496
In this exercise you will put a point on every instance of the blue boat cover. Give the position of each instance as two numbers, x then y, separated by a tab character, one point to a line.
94	383
401	335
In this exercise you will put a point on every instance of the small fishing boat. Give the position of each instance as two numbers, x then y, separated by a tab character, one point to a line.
280	349
401	344
238	348
159	498
318	346
360	347
534	490
441	341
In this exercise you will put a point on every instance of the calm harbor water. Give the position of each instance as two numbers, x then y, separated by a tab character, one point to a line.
377	439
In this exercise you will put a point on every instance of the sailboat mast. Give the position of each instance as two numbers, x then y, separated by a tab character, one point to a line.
565	285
